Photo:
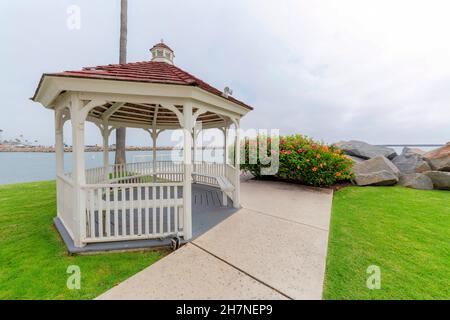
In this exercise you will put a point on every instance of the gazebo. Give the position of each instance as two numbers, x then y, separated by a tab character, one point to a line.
144	200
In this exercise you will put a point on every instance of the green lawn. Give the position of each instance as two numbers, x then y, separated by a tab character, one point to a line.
403	231
33	259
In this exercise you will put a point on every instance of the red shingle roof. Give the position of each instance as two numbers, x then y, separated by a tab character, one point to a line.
161	45
146	71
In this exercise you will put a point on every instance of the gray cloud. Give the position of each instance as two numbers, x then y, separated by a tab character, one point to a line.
330	69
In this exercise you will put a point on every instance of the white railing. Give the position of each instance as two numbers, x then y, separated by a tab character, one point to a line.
139	172
205	172
230	174
142	172
116	212
209	168
95	175
65	204
134	201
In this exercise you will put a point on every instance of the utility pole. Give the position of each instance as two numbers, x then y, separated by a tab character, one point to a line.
120	157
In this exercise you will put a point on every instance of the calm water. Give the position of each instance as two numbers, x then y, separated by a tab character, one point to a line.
29	166
33	166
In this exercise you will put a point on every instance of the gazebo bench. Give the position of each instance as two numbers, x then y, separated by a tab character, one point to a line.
224	184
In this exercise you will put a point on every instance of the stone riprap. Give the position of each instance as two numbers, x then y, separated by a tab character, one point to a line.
439	159
441	179
378	171
364	150
413	168
411	161
415	181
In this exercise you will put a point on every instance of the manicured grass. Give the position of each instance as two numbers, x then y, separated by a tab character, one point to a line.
403	231
33	259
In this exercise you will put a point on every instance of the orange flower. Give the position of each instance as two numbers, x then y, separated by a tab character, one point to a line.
325	148
307	160
314	169
338	151
338	174
318	156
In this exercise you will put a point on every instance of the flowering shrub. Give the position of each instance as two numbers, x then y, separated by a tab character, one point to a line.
301	159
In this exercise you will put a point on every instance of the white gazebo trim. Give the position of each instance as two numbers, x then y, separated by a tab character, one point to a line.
187	160
105	130
120	202
73	106
117	90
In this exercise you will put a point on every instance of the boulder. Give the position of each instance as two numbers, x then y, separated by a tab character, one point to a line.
422	167
377	171
356	159
439	159
378	178
410	162
408	150
364	150
441	179
415	181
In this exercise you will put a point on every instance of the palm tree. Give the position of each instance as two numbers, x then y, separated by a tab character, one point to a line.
121	132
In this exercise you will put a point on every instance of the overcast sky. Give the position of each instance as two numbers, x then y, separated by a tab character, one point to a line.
377	71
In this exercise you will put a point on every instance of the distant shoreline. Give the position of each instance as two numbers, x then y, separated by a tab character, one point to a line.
69	149
4	148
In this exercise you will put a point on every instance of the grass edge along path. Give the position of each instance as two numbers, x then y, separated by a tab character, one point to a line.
405	232
34	260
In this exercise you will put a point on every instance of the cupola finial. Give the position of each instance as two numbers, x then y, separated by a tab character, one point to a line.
162	53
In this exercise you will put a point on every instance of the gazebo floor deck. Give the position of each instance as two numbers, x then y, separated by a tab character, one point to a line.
207	211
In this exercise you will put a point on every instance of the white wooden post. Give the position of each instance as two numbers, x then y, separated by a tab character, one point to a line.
59	156
79	177
187	187
237	154
194	144
225	134
59	144
105	134
225	141
195	133
154	135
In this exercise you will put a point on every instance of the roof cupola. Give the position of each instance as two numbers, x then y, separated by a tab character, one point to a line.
162	53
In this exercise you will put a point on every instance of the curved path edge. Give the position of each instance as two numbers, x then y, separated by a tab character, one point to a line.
274	247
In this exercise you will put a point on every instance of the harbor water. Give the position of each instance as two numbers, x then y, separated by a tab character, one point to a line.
18	167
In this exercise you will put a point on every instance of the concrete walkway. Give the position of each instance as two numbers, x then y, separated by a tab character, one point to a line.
273	248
